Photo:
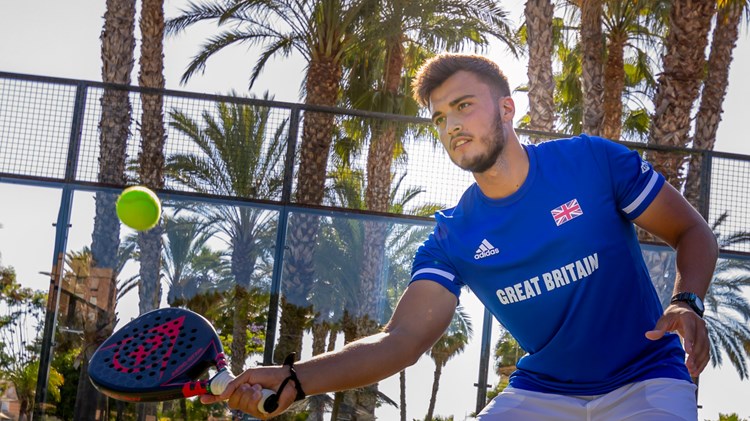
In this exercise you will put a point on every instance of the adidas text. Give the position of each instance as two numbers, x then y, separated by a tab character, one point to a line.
486	253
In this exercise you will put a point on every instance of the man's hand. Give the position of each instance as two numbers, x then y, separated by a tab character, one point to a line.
681	318
245	392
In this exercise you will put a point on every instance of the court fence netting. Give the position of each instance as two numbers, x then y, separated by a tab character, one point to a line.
232	163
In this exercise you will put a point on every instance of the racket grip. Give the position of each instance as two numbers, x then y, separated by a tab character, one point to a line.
218	383
268	403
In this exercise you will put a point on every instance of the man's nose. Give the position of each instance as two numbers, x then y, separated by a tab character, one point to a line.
454	127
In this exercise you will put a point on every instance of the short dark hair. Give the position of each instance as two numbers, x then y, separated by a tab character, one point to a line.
439	68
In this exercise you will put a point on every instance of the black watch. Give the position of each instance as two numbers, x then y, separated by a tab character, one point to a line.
690	299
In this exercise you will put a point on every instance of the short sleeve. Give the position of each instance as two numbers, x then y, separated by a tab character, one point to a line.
431	263
634	180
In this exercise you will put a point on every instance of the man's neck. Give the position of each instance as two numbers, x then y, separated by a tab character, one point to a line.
509	172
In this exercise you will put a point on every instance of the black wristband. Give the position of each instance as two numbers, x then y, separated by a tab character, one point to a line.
289	361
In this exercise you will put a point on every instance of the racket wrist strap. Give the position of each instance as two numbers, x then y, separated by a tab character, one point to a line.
289	362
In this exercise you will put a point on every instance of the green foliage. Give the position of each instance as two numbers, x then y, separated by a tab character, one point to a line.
454	340
64	364
198	412
727	309
318	30
20	339
730	417
507	352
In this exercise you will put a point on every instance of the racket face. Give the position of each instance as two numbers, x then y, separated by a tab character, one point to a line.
155	356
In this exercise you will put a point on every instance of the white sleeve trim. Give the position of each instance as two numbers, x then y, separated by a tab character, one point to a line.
641	197
447	275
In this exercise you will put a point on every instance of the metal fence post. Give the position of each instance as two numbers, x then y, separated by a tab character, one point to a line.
62	226
484	361
281	227
705	190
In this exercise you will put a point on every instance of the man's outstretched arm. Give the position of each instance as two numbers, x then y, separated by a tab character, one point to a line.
423	313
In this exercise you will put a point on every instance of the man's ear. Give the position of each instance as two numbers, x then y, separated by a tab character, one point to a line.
509	108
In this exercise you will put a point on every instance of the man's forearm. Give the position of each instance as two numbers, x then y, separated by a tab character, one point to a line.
358	364
696	256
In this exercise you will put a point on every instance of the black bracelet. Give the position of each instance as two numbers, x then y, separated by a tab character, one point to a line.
289	361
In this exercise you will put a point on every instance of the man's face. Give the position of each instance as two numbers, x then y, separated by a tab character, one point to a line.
469	121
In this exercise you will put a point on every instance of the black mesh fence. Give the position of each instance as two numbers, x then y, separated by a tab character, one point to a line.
244	144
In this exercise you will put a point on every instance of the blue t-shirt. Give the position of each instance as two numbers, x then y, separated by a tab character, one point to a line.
558	263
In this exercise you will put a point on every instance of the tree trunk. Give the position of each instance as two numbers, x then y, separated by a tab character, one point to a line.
320	331
377	198
338	399
707	120
239	329
243	265
151	168
539	17
118	45
592	78
614	84
683	67
372	294
322	84
435	386
333	336
292	326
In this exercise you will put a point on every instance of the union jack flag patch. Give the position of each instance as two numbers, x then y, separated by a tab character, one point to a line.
567	212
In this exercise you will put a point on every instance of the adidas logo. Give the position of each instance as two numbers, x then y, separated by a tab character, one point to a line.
485	250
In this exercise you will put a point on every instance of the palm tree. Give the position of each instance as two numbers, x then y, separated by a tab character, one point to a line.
683	68
627	25
723	41
188	264
507	354
621	71
323	32
592	74
337	294
727	310
118	45
414	31
151	159
539	15
420	28
448	346
233	159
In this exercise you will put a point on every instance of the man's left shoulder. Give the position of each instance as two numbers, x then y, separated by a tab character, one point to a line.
574	145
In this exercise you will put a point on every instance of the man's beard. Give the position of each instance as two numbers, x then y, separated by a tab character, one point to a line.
496	143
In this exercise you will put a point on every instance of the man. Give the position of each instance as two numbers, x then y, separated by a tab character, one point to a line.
545	239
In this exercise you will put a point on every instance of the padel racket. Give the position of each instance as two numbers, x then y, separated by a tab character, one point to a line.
160	356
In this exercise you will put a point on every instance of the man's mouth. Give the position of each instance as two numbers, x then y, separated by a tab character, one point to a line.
457	143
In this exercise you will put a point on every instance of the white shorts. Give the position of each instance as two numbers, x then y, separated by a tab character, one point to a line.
649	400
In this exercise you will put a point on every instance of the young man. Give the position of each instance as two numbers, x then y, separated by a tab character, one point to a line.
545	239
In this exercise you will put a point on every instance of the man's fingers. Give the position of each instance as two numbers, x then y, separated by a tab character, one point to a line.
234	384
658	332
655	335
209	399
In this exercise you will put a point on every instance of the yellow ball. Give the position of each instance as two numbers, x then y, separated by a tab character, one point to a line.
139	208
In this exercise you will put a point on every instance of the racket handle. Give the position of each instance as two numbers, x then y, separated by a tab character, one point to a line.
218	384
269	402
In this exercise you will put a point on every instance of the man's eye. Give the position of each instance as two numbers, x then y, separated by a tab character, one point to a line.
463	105
438	121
